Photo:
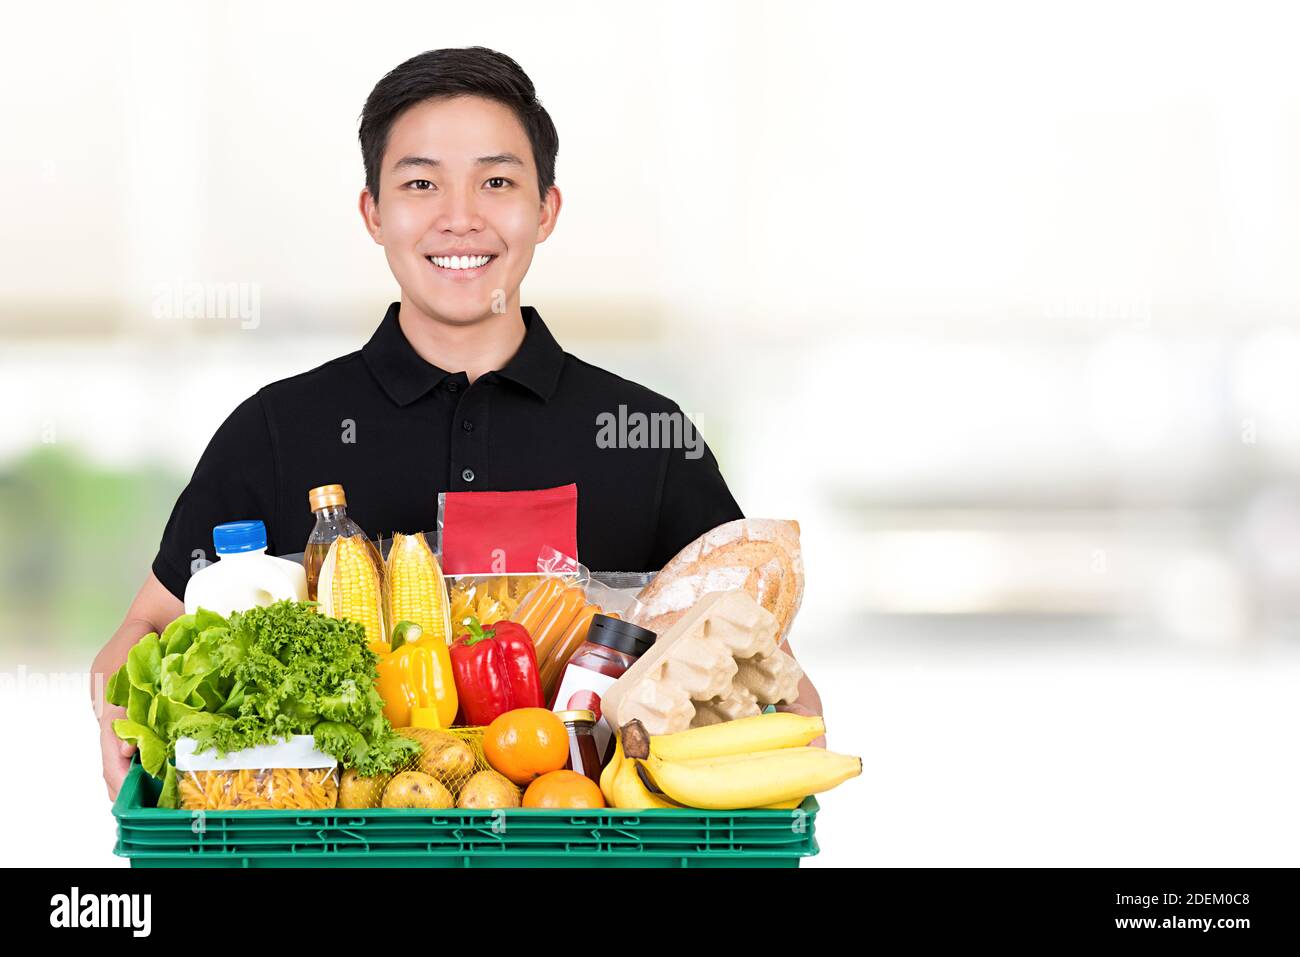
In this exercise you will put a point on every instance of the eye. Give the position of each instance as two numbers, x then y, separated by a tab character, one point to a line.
420	184
499	179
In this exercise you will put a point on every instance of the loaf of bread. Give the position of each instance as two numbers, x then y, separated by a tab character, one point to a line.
759	556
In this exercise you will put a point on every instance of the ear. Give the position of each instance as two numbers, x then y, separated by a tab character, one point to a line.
370	216
549	214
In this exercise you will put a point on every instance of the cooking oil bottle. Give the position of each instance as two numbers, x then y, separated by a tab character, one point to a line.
332	521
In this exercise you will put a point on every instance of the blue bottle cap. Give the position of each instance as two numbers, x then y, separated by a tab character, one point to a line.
235	537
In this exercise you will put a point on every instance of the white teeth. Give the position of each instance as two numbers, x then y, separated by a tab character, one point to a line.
460	262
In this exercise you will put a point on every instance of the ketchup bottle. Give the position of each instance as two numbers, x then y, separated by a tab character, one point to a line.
611	647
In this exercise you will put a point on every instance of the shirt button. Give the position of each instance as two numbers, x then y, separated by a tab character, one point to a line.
453	387
467	425
467	475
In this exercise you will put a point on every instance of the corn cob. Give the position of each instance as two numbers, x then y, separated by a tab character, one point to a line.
351	585
416	590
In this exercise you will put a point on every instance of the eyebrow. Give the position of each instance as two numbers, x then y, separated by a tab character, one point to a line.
509	159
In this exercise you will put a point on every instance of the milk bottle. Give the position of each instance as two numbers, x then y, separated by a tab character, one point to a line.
244	576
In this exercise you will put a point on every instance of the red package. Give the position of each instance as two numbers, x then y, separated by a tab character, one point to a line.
503	533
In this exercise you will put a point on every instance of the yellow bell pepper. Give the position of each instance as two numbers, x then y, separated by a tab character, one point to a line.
416	684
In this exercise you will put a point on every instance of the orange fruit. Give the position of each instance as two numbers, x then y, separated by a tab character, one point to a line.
526	743
564	789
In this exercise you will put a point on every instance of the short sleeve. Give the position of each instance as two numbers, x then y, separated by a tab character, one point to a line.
235	479
694	498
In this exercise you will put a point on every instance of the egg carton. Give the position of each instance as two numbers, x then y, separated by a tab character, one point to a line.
720	661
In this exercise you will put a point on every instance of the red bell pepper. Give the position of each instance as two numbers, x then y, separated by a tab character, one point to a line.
495	670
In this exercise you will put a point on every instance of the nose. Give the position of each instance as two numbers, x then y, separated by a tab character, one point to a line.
459	212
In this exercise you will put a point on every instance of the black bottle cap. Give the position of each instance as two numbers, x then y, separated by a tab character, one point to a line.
620	635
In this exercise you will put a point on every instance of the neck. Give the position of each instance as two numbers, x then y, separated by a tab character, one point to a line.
473	348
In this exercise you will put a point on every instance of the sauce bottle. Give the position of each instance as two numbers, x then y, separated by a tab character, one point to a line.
611	646
332	521
583	755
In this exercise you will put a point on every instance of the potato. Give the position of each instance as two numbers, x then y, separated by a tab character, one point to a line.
443	755
450	764
488	790
415	789
358	792
430	739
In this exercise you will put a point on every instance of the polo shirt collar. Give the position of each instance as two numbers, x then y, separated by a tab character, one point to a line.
537	364
405	376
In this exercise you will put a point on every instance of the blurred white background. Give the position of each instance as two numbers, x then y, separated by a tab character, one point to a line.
998	300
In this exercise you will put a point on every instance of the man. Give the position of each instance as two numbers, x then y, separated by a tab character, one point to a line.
460	388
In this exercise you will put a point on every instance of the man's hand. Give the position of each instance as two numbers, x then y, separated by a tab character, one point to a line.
797	708
808	702
153	608
116	752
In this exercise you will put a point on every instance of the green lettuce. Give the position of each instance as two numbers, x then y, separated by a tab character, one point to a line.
260	676
153	749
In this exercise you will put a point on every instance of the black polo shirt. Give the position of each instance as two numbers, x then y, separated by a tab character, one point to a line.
395	431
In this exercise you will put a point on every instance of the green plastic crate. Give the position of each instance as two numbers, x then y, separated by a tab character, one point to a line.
155	837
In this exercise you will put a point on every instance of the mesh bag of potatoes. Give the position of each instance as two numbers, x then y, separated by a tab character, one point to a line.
451	772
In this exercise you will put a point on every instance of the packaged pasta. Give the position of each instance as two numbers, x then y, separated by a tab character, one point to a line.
491	543
489	598
291	775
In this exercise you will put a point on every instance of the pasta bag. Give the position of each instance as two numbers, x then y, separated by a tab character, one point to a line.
290	775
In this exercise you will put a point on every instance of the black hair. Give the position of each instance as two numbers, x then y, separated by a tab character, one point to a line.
471	71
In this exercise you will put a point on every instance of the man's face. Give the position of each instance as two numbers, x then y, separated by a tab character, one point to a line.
458	179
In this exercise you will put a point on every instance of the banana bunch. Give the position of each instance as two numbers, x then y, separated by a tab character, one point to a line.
757	762
624	788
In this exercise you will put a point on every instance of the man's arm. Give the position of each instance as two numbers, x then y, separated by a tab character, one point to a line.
153	608
235	476
693	498
809	702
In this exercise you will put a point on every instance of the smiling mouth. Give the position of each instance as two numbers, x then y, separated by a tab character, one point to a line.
461	266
